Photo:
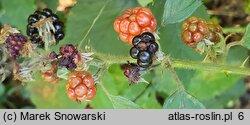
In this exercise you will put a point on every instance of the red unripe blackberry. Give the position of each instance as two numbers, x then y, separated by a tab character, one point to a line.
133	22
195	30
15	43
80	86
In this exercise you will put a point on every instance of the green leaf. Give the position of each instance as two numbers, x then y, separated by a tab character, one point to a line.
207	85
182	100
144	2
102	36
236	59
246	38
122	103
164	82
149	101
52	4
228	98
101	100
2	89
176	11
16	12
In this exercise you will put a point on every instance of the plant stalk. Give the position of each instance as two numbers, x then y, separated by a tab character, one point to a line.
181	64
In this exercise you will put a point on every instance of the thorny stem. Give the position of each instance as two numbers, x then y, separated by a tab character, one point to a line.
210	67
112	59
182	64
93	23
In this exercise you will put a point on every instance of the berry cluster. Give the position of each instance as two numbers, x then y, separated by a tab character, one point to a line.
81	86
15	43
68	56
37	16
195	30
133	22
50	74
144	49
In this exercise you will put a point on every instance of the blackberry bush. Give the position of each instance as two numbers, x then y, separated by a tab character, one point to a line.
92	26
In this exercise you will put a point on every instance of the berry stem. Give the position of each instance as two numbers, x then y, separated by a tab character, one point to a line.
93	23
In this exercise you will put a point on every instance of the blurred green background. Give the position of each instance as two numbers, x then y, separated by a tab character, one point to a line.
213	90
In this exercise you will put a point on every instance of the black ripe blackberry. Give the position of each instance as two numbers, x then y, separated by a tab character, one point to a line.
67	57
57	31
144	49
14	44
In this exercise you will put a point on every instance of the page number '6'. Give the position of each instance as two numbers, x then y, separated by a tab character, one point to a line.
241	116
